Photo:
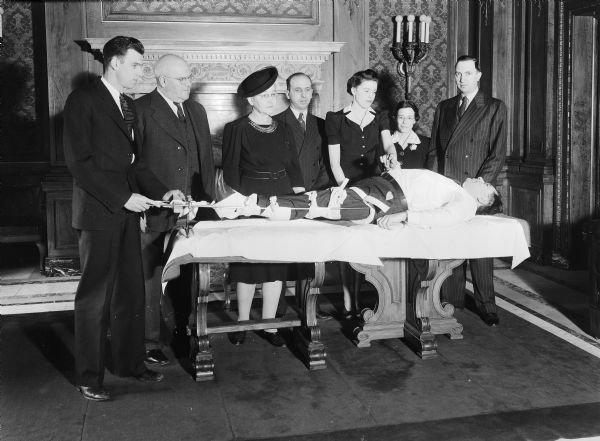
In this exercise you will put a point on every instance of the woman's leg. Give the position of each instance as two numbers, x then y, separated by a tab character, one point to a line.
270	292
345	273
245	294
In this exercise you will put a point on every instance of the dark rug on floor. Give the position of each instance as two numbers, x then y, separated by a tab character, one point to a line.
550	424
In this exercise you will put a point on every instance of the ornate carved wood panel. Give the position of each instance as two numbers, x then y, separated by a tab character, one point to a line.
235	11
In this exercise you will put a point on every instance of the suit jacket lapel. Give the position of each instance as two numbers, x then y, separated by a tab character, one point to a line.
111	107
294	125
311	130
471	115
165	117
451	114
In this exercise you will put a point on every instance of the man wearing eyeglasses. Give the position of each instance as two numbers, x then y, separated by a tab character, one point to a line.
174	142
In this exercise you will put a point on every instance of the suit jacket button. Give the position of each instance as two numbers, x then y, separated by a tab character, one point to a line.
401	153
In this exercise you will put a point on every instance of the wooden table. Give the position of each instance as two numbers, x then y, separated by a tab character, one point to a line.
413	312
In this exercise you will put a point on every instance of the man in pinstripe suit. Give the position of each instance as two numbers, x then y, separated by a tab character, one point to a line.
468	140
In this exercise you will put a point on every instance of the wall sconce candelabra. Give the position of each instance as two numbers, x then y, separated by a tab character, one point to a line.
409	46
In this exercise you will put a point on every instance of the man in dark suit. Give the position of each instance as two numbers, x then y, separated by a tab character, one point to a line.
308	132
175	144
309	137
107	198
468	139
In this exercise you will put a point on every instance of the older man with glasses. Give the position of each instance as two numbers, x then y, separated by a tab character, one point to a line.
174	142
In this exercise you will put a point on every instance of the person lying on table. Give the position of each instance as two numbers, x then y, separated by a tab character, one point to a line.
398	196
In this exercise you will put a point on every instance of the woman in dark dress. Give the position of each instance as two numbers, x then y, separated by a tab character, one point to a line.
411	149
357	136
259	157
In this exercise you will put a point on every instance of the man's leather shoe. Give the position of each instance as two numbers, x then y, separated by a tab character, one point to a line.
323	315
236	337
94	393
150	376
274	338
490	318
156	357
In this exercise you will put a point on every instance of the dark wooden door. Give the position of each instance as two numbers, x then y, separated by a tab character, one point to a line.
578	189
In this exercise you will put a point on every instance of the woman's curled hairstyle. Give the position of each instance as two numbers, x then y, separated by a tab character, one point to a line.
359	77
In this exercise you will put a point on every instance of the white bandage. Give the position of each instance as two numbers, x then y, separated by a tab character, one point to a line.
250	207
370	199
275	212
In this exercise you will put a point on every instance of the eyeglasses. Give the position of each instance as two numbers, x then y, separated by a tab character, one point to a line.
181	79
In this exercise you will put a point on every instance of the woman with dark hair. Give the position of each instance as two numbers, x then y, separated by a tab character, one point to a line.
411	149
259	157
357	136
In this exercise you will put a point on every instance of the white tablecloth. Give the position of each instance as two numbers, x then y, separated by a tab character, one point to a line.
305	240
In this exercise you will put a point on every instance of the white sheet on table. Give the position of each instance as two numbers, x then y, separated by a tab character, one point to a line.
306	240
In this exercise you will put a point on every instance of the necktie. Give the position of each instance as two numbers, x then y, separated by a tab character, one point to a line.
180	114
463	106
128	114
302	122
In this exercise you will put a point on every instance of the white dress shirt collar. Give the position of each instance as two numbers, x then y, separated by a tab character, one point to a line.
298	112
171	103
113	92
470	96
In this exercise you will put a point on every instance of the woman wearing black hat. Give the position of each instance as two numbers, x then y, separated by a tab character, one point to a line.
357	136
259	157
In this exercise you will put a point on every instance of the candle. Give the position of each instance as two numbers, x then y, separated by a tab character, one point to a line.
398	21
422	20
410	19
427	29
1	12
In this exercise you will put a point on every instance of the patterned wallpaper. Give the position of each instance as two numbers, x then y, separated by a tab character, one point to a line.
429	83
17	89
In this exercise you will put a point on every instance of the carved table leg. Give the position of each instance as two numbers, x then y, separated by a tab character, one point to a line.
387	319
202	357
441	315
308	336
426	315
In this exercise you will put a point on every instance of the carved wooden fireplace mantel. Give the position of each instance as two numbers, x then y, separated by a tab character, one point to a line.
219	66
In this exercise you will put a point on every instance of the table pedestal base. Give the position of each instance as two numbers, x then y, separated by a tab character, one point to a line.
409	304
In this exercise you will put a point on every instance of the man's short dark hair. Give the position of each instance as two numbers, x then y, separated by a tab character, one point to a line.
360	76
494	208
294	75
468	58
118	47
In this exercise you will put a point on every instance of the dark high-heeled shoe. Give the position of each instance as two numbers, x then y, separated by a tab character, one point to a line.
236	337
348	315
274	338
